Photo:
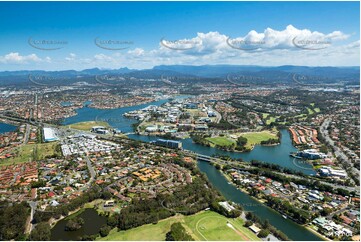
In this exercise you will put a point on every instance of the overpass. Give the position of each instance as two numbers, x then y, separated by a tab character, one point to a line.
204	157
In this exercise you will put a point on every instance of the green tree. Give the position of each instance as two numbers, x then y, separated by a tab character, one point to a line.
41	232
178	233
104	231
263	233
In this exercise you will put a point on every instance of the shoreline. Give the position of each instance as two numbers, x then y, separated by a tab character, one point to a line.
324	238
316	233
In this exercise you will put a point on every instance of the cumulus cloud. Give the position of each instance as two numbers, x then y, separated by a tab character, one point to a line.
16	58
71	57
290	46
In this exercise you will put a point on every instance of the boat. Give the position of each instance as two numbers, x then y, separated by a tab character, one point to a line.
294	155
284	216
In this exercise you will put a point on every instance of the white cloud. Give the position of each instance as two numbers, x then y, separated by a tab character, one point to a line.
71	57
272	48
16	58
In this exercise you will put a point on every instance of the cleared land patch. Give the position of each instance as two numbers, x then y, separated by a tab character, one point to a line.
205	225
222	141
257	137
86	126
30	152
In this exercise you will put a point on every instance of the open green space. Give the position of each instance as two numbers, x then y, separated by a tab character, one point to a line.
317	110
86	126
310	111
31	152
206	225
265	115
257	137
222	141
301	116
271	119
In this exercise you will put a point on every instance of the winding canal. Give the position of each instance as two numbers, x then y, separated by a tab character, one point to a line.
274	154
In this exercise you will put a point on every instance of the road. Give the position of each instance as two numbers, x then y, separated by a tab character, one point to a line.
91	171
346	162
33	205
27	133
235	165
218	115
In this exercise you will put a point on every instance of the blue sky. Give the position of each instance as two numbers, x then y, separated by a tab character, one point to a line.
195	33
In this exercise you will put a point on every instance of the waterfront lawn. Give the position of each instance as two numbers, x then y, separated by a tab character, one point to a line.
221	141
86	126
30	152
213	226
206	225
256	137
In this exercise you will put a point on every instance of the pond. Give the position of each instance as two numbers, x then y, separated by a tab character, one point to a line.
92	224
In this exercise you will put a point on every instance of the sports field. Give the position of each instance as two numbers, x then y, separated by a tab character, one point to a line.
222	141
86	126
206	225
256	137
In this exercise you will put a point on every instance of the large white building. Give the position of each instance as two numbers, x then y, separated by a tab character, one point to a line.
49	135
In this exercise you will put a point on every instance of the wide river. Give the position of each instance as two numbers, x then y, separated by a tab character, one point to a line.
273	154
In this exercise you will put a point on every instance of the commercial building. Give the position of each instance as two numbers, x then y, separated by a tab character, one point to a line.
49	135
169	143
311	154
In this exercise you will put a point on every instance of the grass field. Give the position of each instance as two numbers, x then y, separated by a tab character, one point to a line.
86	126
265	115
25	153
301	116
222	141
201	226
271	119
310	111
256	137
317	110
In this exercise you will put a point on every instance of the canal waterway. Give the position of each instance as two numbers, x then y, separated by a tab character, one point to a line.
278	154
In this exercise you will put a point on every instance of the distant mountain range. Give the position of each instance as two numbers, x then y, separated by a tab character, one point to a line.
348	74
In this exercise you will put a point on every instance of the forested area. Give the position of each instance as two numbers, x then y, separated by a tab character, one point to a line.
12	220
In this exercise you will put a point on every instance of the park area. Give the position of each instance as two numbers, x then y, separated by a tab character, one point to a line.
205	225
86	126
32	152
221	141
255	138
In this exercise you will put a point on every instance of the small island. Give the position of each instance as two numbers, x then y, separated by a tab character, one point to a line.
74	224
